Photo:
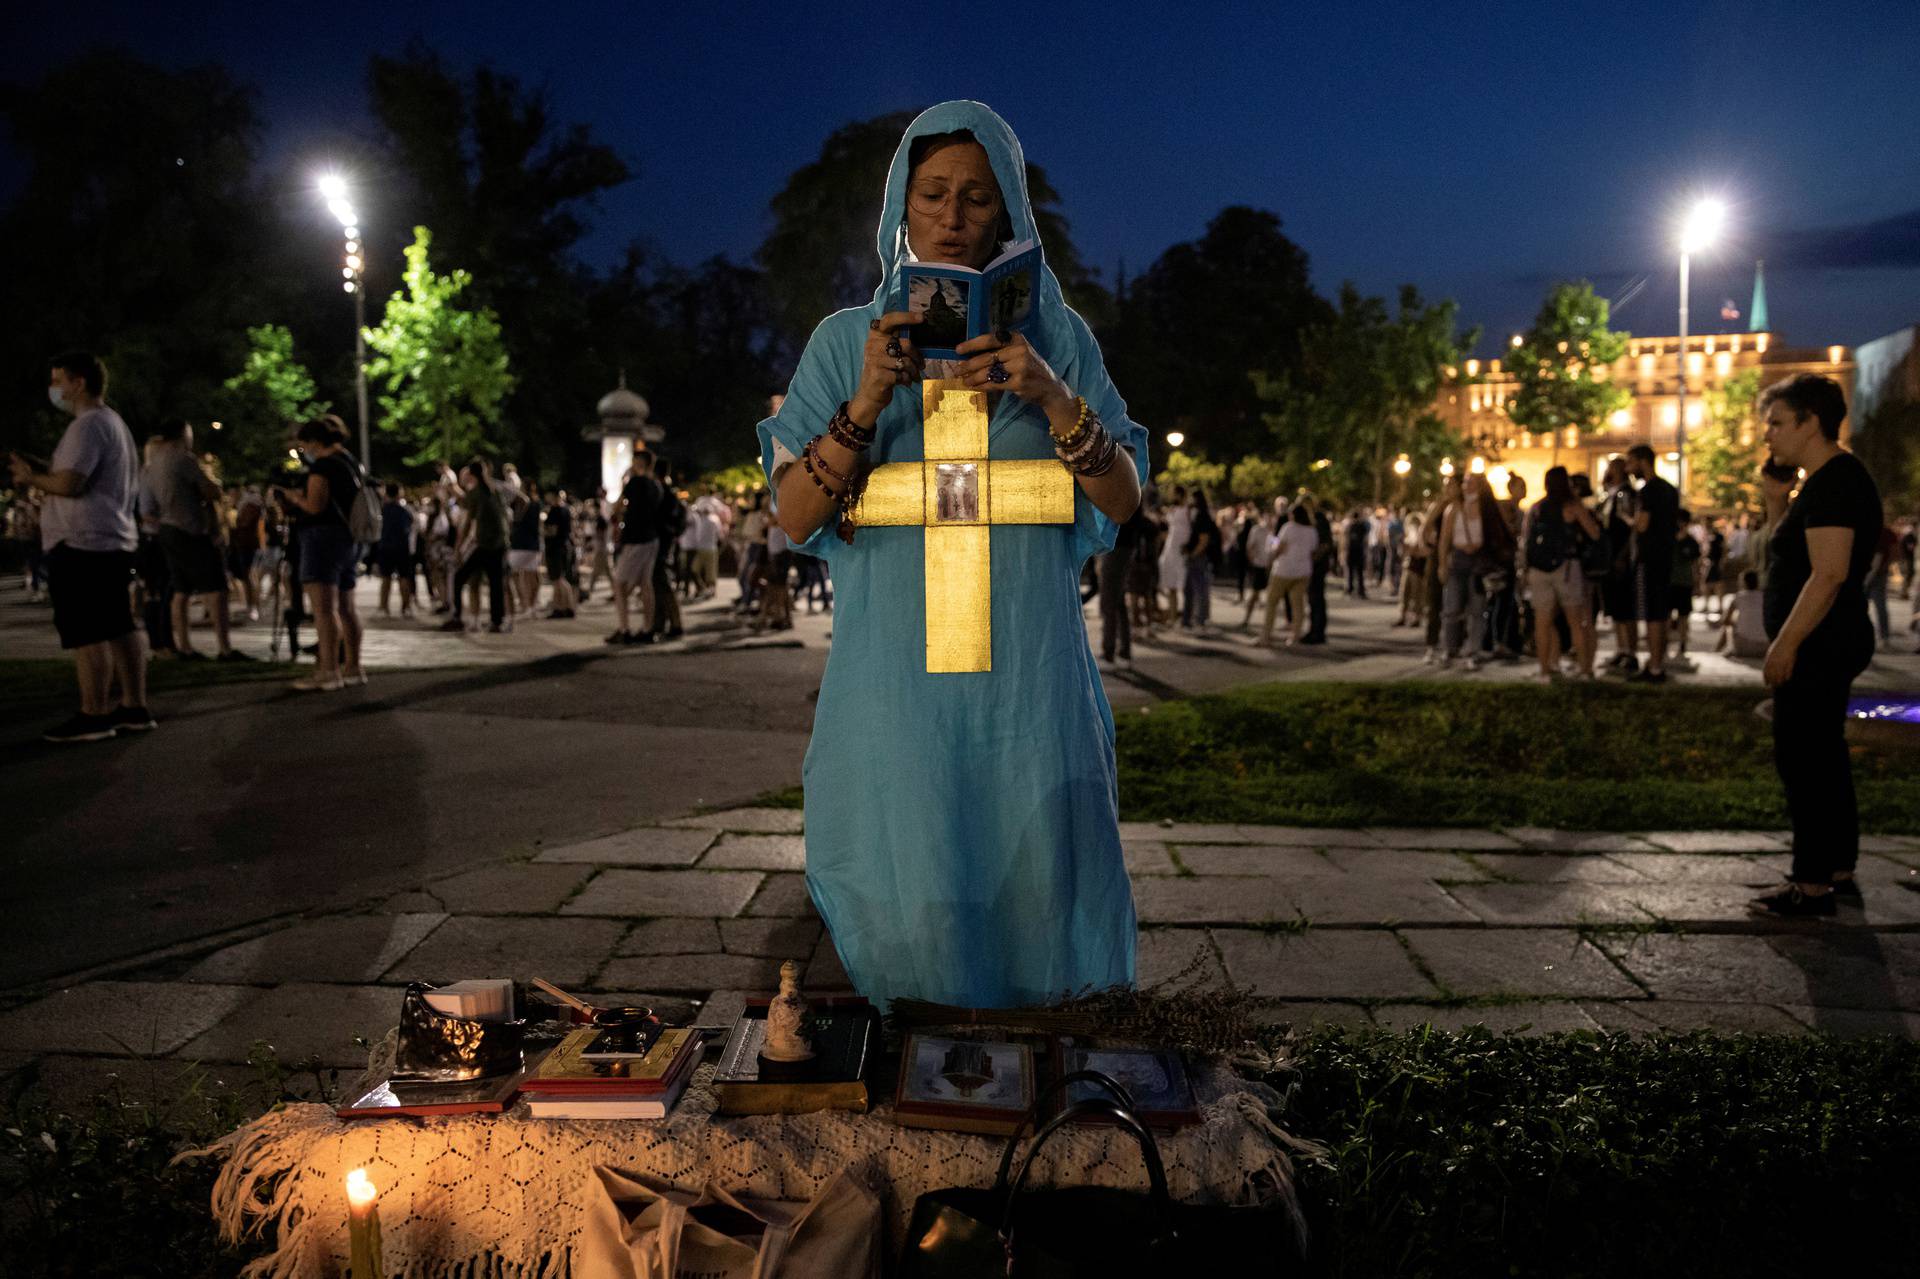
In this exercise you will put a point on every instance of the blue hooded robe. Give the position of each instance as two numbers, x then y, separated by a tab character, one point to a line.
962	829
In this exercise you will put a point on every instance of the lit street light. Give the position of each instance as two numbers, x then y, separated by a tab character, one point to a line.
1175	439
1402	464
1697	233
333	189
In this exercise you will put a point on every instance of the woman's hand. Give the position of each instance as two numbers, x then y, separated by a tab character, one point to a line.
881	370
1027	374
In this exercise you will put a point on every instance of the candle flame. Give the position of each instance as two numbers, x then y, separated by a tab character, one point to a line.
359	1189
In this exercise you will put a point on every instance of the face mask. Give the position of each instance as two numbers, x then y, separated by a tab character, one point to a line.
58	398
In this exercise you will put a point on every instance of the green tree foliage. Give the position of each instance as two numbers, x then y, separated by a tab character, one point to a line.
442	368
271	391
1365	395
1888	441
1188	471
1209	316
1725	452
1256	479
819	256
1556	363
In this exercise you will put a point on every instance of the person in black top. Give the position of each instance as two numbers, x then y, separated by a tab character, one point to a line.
562	569
637	516
1816	620
1655	528
328	555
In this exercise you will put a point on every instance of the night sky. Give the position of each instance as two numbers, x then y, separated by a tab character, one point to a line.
1478	151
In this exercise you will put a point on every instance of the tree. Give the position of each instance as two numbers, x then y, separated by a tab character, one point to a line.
1256	479
819	256
1888	442
1364	395
444	367
1561	362
1724	454
271	391
1189	471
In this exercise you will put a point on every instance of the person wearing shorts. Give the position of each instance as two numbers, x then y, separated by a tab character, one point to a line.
1655	527
184	500
329	557
87	530
637	516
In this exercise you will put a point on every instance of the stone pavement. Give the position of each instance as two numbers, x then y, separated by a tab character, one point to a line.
1519	930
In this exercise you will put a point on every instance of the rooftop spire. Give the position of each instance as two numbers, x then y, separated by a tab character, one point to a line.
1757	313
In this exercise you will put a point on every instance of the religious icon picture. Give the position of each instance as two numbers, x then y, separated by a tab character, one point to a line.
956	492
966	1085
1155	1079
1012	299
944	302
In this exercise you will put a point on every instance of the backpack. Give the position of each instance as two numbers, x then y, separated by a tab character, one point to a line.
1549	541
364	514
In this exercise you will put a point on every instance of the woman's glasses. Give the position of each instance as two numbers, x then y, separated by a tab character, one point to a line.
978	204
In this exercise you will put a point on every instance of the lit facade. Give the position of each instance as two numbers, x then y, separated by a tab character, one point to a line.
1472	401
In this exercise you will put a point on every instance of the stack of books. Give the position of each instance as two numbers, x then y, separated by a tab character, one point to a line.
580	1079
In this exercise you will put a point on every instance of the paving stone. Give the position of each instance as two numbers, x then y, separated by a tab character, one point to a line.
1321	964
187	1090
762	821
1889	844
1886	904
1436	837
512	888
1403	863
1545	1017
1518	961
1212	899
413	903
347	948
1164	953
1182	832
1648	1016
1560	868
783	895
1715	841
1303	1015
1376	902
1854	968
1853	1023
770	938
127	1017
757	852
1552	903
1714	969
480	946
1721	907
302	1020
1309	836
1694	868
629	893
644	846
1148	857
1254	859
695	973
671	937
1577	841
825	971
720	1010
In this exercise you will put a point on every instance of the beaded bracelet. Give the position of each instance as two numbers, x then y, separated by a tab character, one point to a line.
806	464
846	433
820	460
1072	436
1103	463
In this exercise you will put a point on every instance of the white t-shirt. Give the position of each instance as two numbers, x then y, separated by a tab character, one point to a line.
1260	546
1293	550
99	446
703	532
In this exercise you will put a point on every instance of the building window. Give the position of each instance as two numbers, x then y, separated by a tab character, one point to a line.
1722	364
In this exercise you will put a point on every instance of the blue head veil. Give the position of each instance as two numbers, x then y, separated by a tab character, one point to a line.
829	368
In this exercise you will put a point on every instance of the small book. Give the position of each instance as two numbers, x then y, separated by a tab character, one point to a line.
657	1106
964	1085
1156	1079
960	303
490	999
841	1031
476	1097
566	1070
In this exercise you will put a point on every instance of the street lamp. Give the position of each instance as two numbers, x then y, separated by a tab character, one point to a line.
1175	439
333	190
1697	233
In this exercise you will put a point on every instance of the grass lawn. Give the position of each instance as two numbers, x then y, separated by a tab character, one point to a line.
1589	757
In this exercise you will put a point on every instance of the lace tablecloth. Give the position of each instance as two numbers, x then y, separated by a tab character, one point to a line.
505	1195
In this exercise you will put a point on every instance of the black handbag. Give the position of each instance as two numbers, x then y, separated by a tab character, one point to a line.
1087	1232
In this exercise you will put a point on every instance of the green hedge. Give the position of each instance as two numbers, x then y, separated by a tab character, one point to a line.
1589	1155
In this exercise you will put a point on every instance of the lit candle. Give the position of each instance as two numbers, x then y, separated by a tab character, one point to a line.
363	1226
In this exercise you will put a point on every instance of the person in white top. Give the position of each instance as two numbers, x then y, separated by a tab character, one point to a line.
1173	555
702	542
1293	549
1260	541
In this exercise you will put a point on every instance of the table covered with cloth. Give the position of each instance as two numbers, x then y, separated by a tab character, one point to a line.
506	1195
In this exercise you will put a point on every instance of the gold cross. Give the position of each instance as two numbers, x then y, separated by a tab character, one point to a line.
956	493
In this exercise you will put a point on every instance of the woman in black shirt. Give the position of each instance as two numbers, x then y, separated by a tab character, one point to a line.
328	555
1816	620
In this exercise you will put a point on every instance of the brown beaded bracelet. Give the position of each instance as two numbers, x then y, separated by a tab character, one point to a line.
820	460
846	433
806	463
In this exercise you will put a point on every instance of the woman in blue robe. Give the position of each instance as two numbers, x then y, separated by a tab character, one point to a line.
962	829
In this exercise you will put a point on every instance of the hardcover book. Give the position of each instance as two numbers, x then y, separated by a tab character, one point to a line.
960	303
477	1097
1156	1079
566	1071
616	1106
841	1031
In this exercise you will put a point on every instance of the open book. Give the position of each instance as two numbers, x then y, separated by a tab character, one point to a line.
961	303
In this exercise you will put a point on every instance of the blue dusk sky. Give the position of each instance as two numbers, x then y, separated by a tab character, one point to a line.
1478	151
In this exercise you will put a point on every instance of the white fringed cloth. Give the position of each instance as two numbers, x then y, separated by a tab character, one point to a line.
505	1196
